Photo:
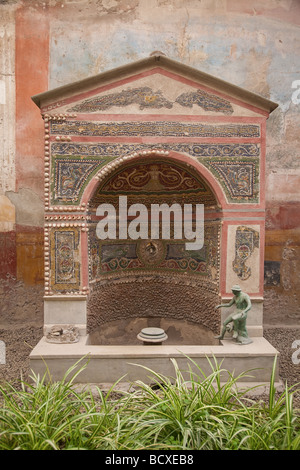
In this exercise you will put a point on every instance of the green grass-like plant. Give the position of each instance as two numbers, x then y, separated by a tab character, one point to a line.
190	411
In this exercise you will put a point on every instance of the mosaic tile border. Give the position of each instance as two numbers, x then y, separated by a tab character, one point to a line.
117	149
245	156
155	128
64	251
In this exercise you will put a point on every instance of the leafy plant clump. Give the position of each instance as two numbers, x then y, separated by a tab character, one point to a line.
200	412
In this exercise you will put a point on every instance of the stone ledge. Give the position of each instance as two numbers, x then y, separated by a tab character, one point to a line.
106	364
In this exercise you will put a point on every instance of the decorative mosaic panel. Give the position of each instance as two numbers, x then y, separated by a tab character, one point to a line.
246	240
207	101
140	274
237	167
159	128
146	98
70	176
117	149
238	176
153	183
153	177
126	257
65	271
224	150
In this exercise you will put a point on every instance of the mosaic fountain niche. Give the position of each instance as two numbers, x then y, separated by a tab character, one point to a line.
153	132
140	274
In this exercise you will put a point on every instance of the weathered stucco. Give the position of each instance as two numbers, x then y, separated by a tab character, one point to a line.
253	44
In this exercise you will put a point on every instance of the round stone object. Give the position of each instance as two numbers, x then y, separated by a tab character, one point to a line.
152	335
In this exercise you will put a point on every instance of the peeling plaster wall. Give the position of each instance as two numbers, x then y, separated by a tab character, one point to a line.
7	100
253	44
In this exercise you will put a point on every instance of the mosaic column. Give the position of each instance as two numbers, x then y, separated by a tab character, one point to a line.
65	226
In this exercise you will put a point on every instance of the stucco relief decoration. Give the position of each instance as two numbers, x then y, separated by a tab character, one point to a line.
246	240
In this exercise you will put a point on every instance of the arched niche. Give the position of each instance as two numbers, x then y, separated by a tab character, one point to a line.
154	279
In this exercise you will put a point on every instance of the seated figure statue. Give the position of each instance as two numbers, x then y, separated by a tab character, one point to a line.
236	322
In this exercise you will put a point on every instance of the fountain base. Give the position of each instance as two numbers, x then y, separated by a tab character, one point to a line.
108	363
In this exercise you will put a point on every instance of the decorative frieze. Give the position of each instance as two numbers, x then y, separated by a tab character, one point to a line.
146	98
112	149
153	128
237	166
131	257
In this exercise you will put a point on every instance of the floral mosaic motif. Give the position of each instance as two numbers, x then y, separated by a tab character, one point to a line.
153	177
158	128
238	175
246	240
119	256
72	173
225	150
206	101
64	245
108	257
154	182
145	97
112	149
70	176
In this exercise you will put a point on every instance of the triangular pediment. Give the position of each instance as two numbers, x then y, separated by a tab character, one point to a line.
156	85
